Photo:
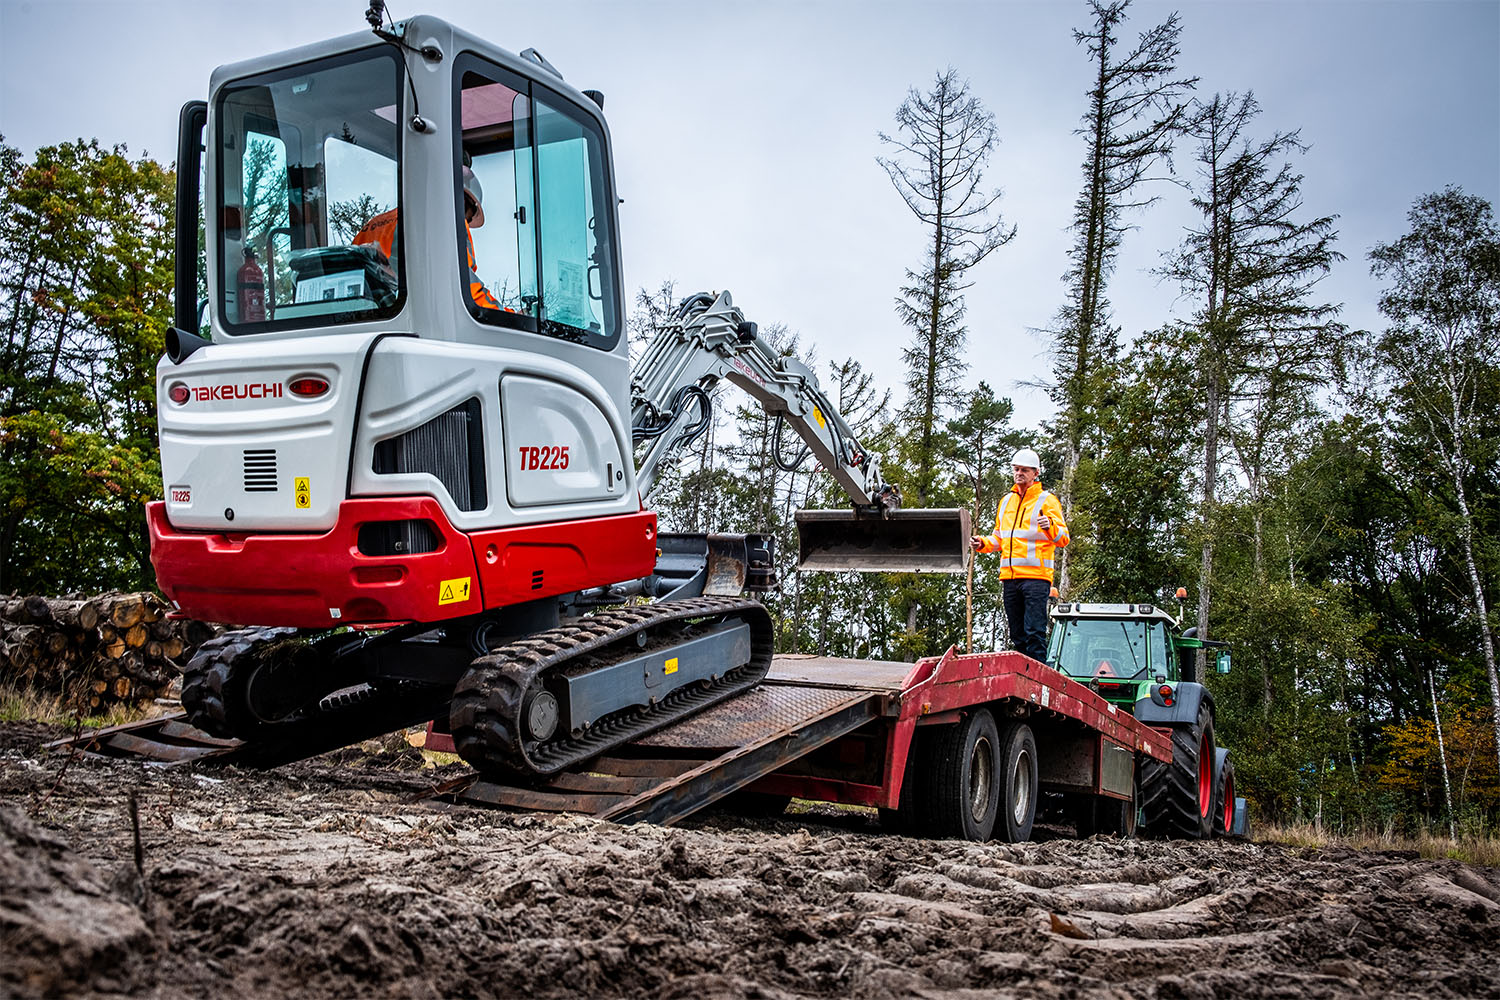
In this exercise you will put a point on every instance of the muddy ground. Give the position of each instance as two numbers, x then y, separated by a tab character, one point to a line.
325	879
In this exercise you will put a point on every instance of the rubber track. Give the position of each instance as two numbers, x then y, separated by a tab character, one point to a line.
209	673
1169	792
489	699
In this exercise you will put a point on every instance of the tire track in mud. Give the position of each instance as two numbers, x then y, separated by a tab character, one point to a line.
323	879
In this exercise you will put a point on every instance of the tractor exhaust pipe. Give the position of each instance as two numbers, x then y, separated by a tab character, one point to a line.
898	541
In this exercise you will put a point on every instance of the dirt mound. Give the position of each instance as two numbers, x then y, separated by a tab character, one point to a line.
324	879
64	926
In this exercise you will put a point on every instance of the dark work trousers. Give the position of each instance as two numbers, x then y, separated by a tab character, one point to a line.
1026	612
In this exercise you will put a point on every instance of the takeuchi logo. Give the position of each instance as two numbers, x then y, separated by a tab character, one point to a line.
254	390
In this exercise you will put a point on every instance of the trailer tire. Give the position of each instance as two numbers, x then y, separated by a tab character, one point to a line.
964	790
1018	784
913	816
1100	814
1177	798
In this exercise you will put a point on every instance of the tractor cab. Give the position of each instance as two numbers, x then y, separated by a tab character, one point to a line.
1116	649
1127	652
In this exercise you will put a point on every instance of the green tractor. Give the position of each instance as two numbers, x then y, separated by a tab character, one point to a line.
1136	657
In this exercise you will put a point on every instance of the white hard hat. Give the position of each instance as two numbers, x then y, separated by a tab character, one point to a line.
472	191
1027	458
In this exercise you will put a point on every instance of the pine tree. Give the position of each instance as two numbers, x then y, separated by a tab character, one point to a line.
1135	114
944	140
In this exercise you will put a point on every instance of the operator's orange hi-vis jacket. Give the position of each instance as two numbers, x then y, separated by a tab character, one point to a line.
1026	551
381	231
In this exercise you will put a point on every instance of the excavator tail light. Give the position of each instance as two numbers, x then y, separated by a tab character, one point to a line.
179	393
308	386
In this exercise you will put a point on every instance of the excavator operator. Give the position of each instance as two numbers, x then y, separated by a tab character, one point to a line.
380	231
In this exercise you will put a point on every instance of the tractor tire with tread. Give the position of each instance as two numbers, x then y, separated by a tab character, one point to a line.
1177	798
1224	801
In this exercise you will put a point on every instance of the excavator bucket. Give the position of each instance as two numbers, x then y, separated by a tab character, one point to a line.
901	541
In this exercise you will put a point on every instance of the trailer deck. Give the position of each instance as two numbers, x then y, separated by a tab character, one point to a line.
822	728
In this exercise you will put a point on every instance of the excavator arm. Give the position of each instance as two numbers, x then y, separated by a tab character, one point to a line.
708	339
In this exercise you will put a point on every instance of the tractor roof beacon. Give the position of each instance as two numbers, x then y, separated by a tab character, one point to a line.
406	419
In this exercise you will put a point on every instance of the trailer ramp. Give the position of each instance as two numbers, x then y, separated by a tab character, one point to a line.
805	703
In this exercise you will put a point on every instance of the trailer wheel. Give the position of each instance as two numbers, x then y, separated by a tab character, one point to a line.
1224	803
966	786
1018	776
1177	799
913	817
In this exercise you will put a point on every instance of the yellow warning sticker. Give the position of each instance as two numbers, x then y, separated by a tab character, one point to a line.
818	416
454	591
671	666
302	490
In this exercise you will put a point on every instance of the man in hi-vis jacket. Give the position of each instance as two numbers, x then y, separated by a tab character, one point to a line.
1029	529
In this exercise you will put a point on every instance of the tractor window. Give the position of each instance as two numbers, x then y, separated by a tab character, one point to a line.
1156	637
539	253
1110	650
307	194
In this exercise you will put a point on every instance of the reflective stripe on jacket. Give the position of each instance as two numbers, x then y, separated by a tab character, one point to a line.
1026	551
477	291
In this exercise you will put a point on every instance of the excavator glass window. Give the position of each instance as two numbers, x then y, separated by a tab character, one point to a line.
1099	648
542	255
308	194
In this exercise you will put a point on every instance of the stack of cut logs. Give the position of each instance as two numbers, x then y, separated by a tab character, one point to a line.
95	651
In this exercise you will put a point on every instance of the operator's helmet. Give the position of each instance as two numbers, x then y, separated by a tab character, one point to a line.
474	195
1028	459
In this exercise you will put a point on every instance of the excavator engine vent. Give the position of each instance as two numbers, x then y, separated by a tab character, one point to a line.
260	470
450	446
397	538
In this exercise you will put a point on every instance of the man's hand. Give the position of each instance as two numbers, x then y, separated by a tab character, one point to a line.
976	543
1044	522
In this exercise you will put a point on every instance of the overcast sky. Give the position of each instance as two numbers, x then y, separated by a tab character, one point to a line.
745	134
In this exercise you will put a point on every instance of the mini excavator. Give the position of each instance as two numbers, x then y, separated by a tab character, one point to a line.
415	467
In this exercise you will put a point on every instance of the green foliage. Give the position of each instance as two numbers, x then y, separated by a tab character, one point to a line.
85	298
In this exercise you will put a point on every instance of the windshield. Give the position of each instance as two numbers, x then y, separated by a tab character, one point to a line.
308	193
1111	650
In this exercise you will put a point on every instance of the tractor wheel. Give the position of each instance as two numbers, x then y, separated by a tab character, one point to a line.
1177	799
964	794
1018	784
1224	803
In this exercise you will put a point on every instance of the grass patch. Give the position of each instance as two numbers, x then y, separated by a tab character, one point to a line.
1480	848
21	704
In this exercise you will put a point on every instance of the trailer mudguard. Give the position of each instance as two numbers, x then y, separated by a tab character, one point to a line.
1183	710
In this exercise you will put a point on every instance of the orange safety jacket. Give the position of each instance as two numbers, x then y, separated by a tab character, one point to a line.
381	231
1026	551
